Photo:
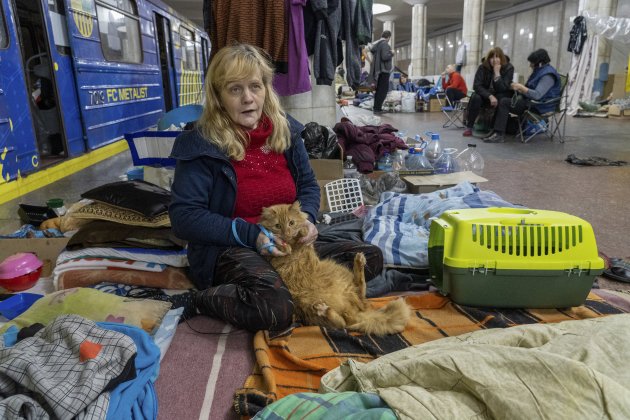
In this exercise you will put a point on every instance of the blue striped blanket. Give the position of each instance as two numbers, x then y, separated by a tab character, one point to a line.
399	223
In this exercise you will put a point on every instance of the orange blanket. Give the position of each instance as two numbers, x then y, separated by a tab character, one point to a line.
295	360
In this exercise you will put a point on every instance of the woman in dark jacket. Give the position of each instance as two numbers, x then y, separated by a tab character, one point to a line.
243	155
492	82
541	86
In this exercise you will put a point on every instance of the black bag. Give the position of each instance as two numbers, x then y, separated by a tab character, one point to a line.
320	142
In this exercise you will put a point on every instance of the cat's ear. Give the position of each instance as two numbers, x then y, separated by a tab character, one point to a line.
266	212
296	206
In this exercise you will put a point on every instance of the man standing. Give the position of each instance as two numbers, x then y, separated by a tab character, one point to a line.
381	67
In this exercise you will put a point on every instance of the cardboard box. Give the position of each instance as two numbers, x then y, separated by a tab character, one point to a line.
616	84
326	170
434	105
46	249
430	183
615	111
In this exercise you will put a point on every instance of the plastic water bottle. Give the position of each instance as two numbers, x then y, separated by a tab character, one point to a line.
398	161
471	160
433	150
385	163
349	168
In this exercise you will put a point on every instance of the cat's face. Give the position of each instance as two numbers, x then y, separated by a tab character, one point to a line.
284	220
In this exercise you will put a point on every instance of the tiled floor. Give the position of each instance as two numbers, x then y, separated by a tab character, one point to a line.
533	174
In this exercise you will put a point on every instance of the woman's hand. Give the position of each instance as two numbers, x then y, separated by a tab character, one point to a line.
263	247
311	233
519	87
493	101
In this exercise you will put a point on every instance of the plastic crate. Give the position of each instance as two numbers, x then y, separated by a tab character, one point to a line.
513	258
152	148
344	195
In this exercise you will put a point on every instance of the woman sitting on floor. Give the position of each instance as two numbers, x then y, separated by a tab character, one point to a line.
405	85
244	155
492	82
543	84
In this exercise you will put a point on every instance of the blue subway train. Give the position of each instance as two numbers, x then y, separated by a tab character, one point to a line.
76	75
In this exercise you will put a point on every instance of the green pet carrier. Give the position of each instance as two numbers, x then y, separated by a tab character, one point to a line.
513	258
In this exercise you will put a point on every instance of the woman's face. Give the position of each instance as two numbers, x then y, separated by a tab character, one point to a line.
243	100
495	60
403	80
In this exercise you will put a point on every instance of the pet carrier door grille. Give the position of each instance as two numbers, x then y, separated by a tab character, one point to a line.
527	240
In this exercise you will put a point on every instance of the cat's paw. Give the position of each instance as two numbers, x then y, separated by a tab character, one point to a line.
283	247
360	259
321	308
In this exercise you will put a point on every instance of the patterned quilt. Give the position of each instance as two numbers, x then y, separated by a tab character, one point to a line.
399	224
295	360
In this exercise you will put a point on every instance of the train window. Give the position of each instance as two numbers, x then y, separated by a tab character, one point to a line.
4	37
58	20
204	53
119	30
189	55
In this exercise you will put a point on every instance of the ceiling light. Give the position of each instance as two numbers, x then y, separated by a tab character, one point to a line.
491	42
378	8
531	35
549	28
522	31
505	36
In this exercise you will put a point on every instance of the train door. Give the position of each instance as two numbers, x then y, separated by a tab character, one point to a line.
43	68
165	52
18	153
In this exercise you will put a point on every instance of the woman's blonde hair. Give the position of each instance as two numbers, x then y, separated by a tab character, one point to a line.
232	63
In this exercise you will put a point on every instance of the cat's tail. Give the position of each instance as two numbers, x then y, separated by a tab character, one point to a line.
389	319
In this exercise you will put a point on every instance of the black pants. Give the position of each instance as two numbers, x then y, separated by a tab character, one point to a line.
474	107
506	107
454	95
249	294
382	86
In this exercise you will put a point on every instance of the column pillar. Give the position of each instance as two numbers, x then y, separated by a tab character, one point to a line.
389	25
318	105
419	39
472	30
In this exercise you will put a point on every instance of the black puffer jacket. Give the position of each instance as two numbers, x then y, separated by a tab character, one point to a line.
577	36
483	81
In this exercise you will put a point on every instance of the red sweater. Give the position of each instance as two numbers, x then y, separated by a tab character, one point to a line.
263	177
456	81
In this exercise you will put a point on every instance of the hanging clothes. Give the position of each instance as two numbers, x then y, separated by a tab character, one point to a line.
363	22
353	51
577	36
322	21
297	79
262	23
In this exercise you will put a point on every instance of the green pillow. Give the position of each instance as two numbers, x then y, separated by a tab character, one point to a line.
95	305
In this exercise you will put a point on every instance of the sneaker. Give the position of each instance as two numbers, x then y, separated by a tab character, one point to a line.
378	112
494	138
485	136
467	132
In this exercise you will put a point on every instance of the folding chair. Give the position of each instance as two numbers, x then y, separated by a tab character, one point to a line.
551	123
454	112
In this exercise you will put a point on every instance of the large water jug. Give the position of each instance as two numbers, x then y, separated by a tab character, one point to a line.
416	160
471	160
446	163
433	150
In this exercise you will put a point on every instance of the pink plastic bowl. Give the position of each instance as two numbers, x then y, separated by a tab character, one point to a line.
20	271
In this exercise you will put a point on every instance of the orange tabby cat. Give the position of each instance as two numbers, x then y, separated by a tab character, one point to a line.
324	292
